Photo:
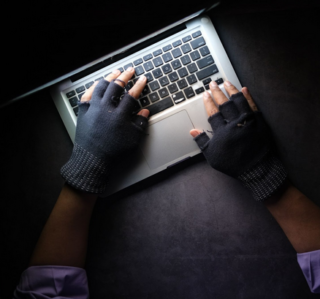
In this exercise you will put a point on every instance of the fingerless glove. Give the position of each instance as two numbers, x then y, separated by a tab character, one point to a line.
106	131
242	147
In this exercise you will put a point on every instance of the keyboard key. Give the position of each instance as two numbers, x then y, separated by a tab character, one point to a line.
157	53
191	79
176	52
145	91
163	92
139	70
196	34
138	61
80	95
199	90
144	102
148	66
147	57
154	97
154	85
182	83
128	65
166	68
173	87
157	73
135	80
129	85
183	72
177	43
80	89
205	62
219	81
157	61
206	81
197	43
185	59
195	55
192	68
189	92
207	72
167	57
149	77
160	106
167	48
73	101
176	64
121	69
107	74
204	51
70	94
173	76
178	97
186	39
76	111
185	48
88	85
164	81
207	87
98	79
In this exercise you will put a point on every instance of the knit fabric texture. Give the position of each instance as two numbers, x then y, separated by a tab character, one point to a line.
264	178
242	147
107	131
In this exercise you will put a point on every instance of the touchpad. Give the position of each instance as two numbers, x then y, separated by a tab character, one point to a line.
168	140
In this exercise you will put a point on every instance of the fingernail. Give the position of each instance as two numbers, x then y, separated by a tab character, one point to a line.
143	78
206	95
245	90
145	113
194	133
214	84
116	72
227	83
129	69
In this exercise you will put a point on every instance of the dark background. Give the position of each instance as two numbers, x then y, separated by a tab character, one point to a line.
189	232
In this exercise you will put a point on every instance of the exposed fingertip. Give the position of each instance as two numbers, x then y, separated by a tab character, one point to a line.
245	90
214	85
194	133
143	78
130	69
206	95
227	83
144	112
116	72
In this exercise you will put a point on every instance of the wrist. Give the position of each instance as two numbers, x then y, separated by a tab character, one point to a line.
265	178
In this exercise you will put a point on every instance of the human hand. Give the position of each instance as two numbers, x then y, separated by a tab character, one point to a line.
241	145
106	131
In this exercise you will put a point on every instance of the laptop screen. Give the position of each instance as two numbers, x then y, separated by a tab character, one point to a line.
43	47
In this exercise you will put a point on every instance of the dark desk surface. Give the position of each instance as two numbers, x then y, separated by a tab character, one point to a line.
190	232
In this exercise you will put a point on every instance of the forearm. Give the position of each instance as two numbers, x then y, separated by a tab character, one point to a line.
298	216
63	240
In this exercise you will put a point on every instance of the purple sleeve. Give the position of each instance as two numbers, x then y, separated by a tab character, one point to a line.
40	282
310	265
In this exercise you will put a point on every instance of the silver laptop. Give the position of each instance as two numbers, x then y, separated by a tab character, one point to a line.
179	68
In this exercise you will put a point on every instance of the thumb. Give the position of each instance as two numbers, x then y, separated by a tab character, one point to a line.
201	138
194	133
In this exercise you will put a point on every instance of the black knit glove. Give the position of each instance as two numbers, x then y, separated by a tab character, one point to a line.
241	147
106	131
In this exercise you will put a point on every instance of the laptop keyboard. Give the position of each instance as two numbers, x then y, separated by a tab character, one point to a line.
171	71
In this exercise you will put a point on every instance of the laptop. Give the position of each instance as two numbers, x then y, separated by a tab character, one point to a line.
179	61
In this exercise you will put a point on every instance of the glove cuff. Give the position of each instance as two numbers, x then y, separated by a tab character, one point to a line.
85	172
264	178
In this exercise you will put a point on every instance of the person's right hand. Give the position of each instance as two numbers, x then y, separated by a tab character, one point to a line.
107	131
241	145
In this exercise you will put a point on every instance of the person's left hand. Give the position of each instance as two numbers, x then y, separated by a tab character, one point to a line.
106	131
